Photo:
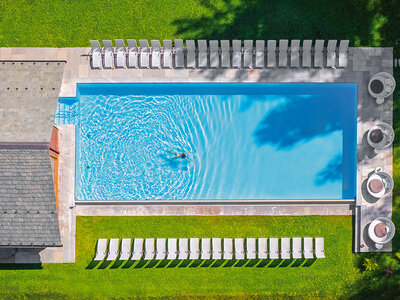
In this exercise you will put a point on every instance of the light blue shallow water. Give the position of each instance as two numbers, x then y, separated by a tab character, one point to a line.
249	141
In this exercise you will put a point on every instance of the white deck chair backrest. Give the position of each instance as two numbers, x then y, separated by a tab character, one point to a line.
172	250
331	54
167	54
294	53
225	54
179	54
239	248
228	248
113	249
155	54
216	248
108	54
101	249
285	248
149	249
283	53
306	53
95	45
318	54
161	250
273	248
296	246
214	54
132	54
260	54
343	48
121	53
205	248
183	248
125	249
251	248
144	54
137	252
194	248
248	54
271	54
190	54
262	248
203	53
319	247
236	53
308	248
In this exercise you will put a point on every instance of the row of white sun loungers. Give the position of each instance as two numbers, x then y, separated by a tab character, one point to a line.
219	54
207	248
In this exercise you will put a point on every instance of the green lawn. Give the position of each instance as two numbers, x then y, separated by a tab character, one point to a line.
326	277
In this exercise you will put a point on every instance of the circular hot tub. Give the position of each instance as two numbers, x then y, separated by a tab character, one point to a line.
380	136
380	86
379	184
381	231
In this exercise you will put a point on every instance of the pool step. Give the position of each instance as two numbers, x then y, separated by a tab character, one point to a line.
67	111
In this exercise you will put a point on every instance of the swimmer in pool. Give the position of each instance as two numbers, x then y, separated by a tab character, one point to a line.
183	155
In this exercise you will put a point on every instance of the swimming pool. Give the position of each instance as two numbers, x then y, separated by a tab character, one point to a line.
249	141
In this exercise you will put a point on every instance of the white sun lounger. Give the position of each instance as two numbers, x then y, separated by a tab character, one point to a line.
294	53
331	54
308	248
95	54
228	248
319	247
167	54
149	249
144	54
318	54
101	249
343	47
283	53
248	54
155	54
194	248
296	245
216	248
120	59
214	54
285	248
262	248
108	54
172	250
251	248
202	47
225	54
132	54
205	248
183	248
179	54
113	249
273	248
271	54
306	53
236	53
239	248
260	54
137	249
161	249
125	249
190	54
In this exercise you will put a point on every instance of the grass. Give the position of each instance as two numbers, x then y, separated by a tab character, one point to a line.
328	277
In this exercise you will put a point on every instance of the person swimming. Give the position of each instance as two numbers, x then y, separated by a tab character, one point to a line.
183	155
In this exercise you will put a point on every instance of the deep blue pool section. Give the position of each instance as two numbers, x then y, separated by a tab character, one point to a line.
249	140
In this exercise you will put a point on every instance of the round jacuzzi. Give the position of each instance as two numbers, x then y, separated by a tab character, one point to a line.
381	231
379	184
380	136
381	85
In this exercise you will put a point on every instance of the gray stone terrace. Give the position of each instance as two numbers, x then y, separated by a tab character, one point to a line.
363	63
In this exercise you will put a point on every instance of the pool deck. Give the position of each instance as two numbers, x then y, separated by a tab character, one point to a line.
363	64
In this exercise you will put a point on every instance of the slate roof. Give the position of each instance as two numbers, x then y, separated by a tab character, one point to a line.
28	99
28	215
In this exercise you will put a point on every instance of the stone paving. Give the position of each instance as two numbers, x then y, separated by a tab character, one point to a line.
363	64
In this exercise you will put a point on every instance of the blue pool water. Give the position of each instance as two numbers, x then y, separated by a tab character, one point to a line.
249	141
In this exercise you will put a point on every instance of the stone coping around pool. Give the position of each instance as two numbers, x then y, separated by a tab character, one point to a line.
363	63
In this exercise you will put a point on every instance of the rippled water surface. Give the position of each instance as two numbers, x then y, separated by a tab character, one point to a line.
249	141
